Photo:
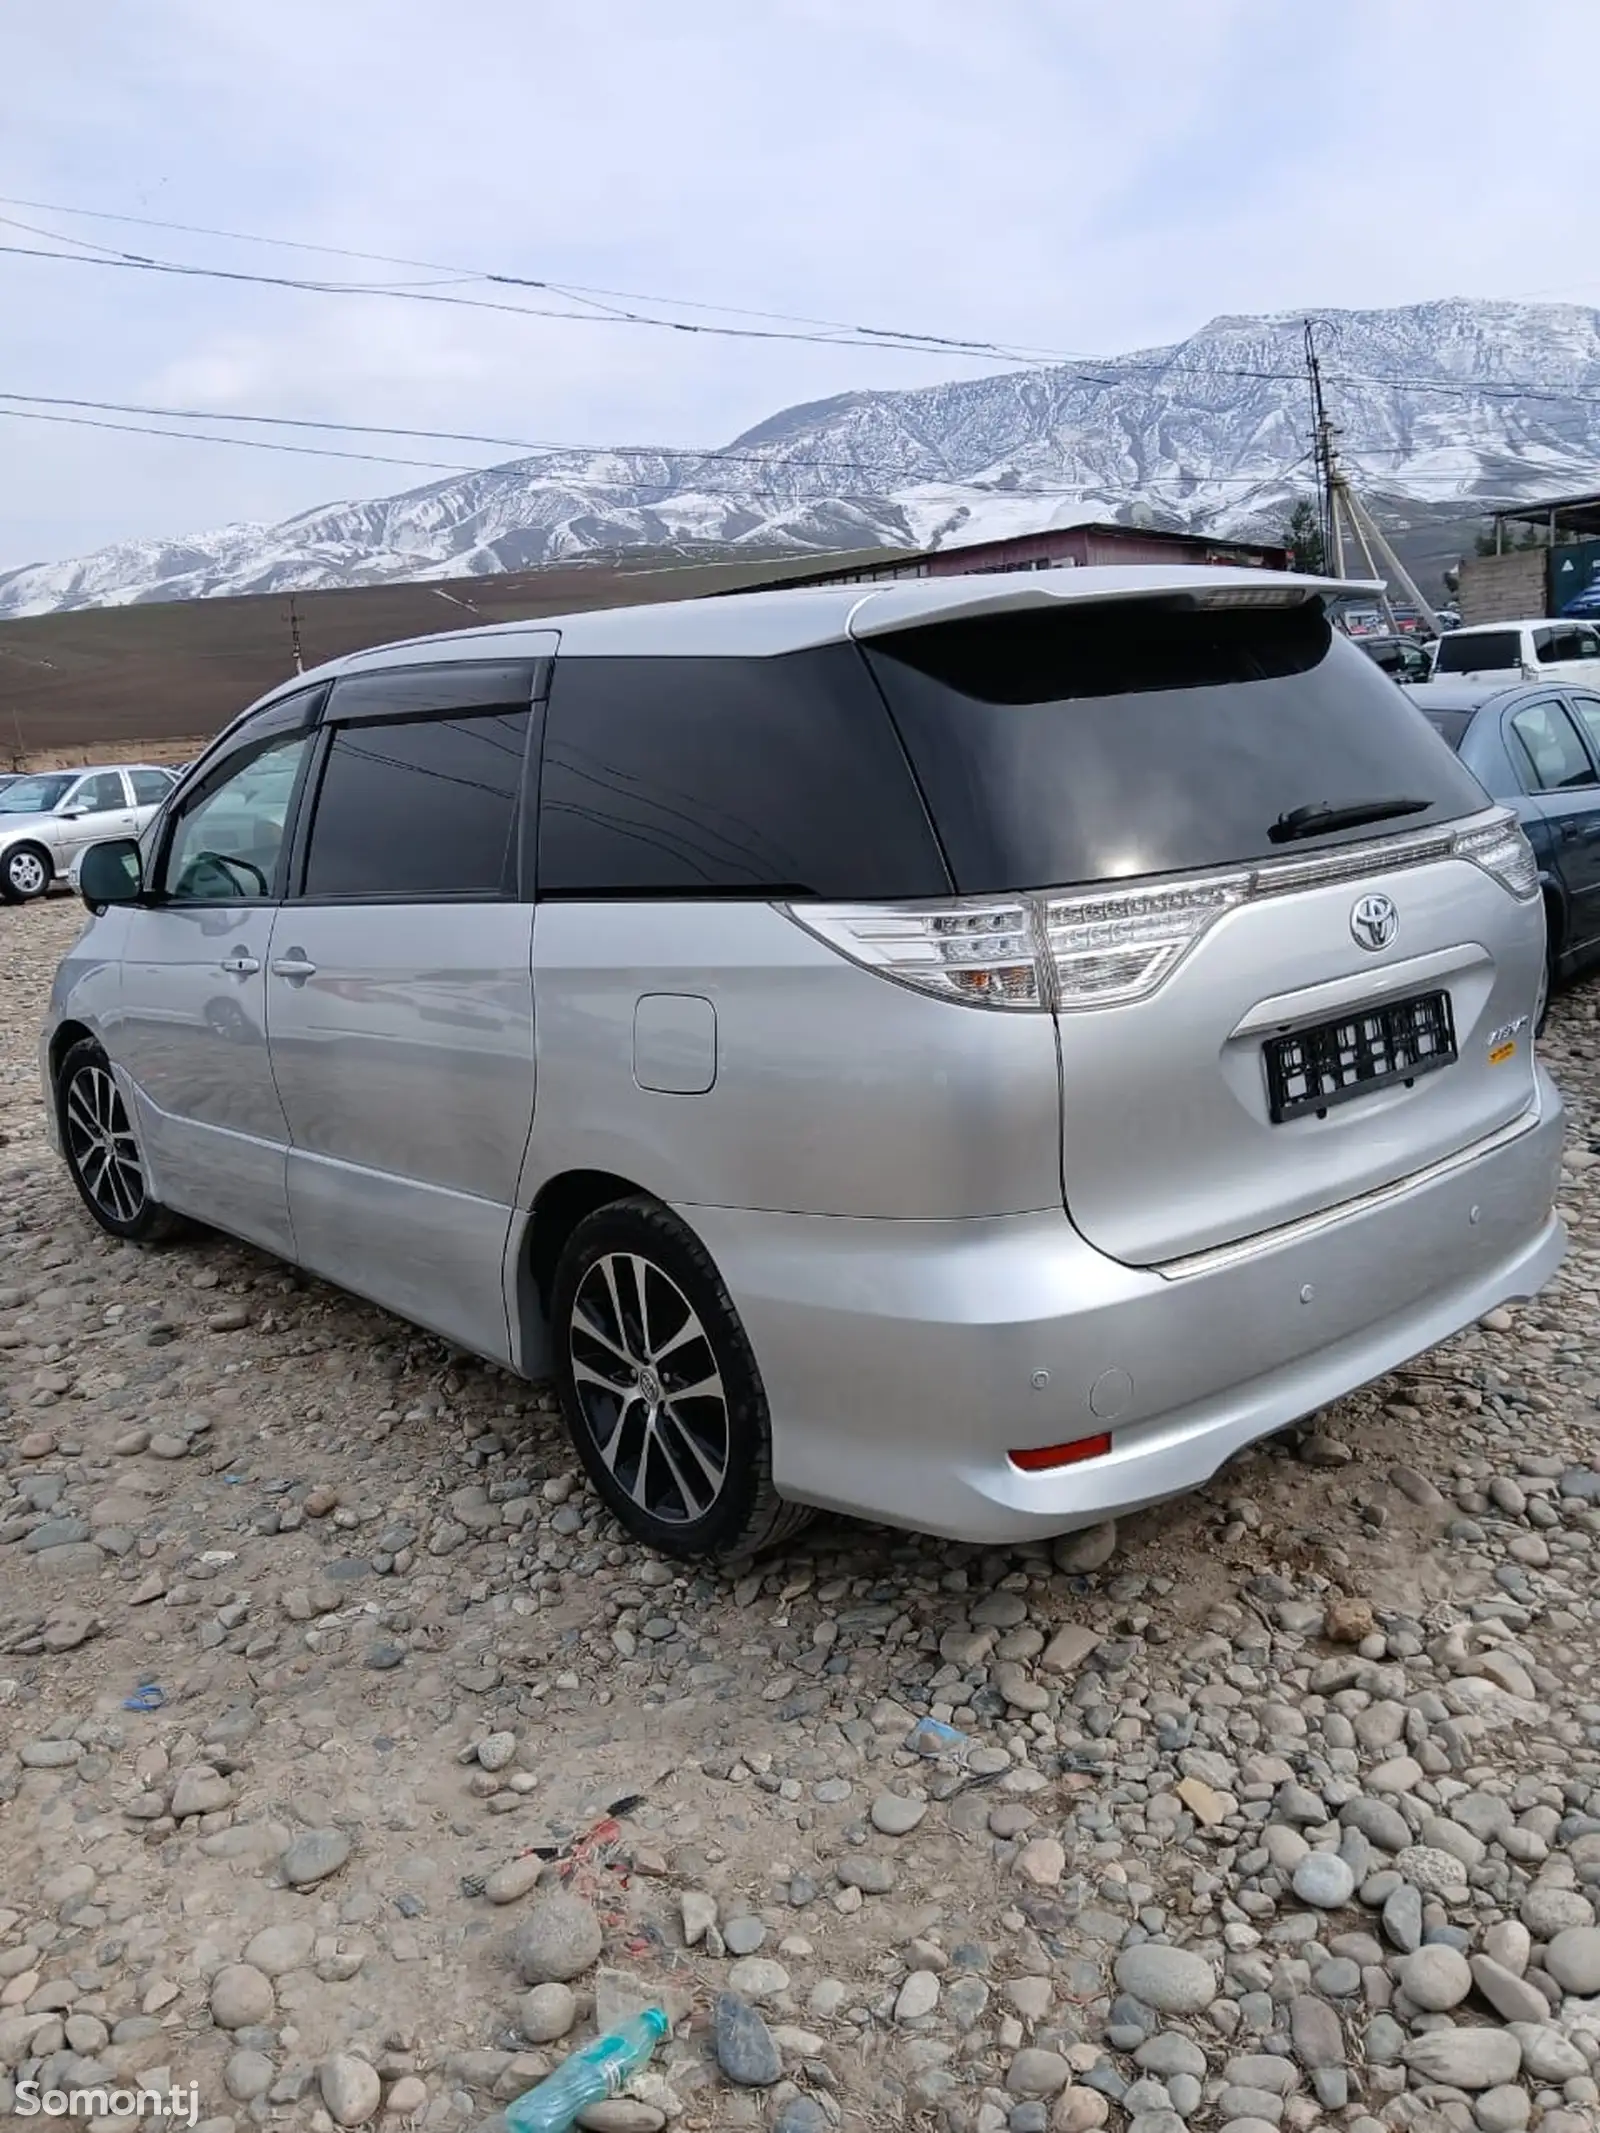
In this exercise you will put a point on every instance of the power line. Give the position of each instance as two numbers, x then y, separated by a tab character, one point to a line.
849	338
1105	371
39	402
388	259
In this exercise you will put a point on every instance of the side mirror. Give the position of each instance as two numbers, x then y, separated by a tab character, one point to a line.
111	873
74	813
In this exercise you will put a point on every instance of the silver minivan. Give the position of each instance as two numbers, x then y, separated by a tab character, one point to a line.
972	1053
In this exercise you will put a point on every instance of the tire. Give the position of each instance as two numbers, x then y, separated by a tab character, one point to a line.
25	873
102	1154
690	1478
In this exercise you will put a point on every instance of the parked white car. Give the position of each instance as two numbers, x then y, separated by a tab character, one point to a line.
49	818
1538	650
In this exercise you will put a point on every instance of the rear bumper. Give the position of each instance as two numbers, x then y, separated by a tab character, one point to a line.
904	1360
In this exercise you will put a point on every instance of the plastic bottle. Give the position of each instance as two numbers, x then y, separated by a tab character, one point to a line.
588	2076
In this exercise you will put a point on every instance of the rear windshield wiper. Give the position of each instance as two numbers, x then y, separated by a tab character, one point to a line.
1322	816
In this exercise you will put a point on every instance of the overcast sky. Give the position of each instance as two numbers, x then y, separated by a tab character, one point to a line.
1061	173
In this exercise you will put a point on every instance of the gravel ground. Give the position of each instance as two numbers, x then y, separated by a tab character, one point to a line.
1278	1809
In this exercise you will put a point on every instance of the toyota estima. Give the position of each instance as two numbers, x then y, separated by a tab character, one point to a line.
972	1053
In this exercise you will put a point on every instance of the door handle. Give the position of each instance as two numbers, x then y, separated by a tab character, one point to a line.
1570	833
294	966
240	964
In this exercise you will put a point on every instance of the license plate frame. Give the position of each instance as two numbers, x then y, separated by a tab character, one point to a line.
1311	1071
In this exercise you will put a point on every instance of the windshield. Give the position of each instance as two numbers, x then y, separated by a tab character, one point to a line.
33	796
1097	742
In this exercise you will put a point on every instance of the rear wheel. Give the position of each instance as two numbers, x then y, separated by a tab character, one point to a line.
661	1390
26	873
102	1153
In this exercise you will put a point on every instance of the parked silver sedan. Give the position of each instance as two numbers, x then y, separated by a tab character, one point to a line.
49	818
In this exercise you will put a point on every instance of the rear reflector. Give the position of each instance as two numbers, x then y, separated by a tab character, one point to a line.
1048	1456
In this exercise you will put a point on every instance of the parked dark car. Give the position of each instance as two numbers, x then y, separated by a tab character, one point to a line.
1404	658
1537	749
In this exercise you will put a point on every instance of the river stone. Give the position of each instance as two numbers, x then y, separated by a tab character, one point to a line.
895	1816
276	1950
313	1857
1548	1911
350	2089
558	1940
248	2075
241	1997
1435	1978
1323	1879
1512	1998
1465	2058
1573	1960
745	2050
546	2013
1076	1554
1171	1980
516	1879
1037	2073
1435	1872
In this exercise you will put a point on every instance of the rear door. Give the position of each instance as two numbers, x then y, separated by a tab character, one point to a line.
1552	741
1238	988
399	993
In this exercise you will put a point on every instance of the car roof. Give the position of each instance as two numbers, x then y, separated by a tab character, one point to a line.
799	618
1524	622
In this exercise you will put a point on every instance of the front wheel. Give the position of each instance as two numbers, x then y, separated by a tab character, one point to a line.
25	874
102	1154
660	1387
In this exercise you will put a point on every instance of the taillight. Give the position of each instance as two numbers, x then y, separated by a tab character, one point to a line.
1108	948
1501	849
979	952
1105	947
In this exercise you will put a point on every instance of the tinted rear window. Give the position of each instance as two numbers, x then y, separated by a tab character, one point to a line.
1451	726
728	777
1479	652
1084	744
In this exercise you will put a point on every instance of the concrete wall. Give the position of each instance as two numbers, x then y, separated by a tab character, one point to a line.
1503	588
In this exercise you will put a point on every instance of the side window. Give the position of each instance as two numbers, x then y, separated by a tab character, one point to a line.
150	787
1551	751
1587	709
227	842
420	808
1585	645
753	777
99	795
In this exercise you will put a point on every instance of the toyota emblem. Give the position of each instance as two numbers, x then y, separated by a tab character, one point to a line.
1374	922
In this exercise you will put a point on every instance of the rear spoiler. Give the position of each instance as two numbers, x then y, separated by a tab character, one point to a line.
904	605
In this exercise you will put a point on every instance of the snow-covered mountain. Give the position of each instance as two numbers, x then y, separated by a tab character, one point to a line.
1455	404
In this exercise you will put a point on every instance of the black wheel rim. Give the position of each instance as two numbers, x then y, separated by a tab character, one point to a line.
100	1142
25	871
649	1388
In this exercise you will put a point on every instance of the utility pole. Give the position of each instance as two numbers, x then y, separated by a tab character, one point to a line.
294	636
1322	454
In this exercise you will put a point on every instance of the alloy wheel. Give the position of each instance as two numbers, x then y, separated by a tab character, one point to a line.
101	1144
26	873
649	1387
